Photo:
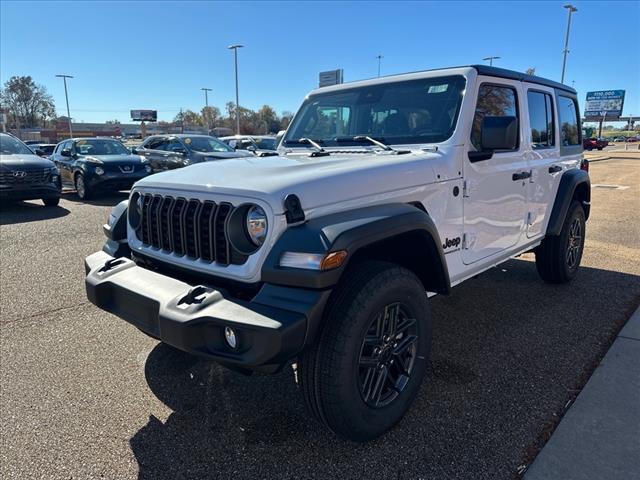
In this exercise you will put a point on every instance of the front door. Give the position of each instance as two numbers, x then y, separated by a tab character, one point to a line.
495	193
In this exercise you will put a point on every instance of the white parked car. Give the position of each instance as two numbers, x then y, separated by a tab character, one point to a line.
385	192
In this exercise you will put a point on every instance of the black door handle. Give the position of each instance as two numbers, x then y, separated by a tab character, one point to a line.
555	169
520	176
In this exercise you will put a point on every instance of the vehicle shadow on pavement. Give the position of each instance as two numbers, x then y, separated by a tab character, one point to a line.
509	352
100	200
23	212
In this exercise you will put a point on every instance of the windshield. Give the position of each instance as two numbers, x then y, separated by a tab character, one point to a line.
206	144
13	146
416	111
100	147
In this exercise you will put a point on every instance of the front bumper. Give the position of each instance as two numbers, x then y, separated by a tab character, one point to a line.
271	328
29	192
115	181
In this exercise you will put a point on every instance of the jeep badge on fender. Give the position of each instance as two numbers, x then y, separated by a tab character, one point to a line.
325	254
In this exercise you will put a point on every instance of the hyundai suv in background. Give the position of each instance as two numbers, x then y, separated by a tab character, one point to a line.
91	165
167	152
24	175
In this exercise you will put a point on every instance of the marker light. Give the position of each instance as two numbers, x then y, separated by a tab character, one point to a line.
230	337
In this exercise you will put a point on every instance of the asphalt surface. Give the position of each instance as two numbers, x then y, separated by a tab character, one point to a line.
85	395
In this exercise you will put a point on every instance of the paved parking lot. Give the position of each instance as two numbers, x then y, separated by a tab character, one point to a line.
85	395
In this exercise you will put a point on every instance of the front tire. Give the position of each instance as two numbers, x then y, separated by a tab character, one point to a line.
82	189
558	257
51	201
364	372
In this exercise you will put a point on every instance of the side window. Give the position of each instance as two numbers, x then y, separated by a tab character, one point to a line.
493	101
568	112
155	144
172	145
541	119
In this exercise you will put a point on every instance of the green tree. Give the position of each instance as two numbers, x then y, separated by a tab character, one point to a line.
27	103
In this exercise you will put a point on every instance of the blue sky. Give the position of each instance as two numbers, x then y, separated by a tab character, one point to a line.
157	55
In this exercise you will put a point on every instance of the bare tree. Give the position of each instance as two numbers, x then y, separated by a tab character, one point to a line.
27	103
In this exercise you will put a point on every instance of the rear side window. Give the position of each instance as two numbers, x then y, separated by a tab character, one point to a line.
493	101
541	119
568	113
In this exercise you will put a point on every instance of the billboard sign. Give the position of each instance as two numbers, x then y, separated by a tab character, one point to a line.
604	104
332	77
144	115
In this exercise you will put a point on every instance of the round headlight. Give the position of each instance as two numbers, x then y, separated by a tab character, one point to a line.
135	210
99	171
257	225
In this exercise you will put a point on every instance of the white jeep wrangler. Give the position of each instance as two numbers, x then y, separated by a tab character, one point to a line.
384	192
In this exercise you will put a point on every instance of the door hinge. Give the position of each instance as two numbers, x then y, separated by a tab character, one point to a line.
465	189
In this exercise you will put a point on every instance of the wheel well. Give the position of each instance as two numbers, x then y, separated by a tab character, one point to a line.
582	193
416	251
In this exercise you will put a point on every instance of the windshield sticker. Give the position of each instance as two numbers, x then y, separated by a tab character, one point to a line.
187	141
438	88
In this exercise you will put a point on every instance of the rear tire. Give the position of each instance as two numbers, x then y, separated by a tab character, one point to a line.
367	366
51	201
81	188
558	257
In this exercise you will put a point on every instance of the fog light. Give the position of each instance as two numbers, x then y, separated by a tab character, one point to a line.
230	337
99	171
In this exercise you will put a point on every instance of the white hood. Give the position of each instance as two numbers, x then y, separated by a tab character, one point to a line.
317	181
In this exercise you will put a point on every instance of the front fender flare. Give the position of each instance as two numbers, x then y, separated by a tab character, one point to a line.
352	231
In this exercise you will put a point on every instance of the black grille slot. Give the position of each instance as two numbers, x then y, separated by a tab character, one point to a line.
205	234
220	234
154	221
176	225
191	222
193	228
165	227
144	225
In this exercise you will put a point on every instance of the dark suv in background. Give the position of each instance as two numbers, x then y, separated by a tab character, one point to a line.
26	176
98	164
167	152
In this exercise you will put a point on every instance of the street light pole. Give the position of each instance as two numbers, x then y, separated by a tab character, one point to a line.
66	96
235	55
379	57
491	59
206	104
571	9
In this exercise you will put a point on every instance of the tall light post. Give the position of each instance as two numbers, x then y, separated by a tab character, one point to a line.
379	57
235	55
490	59
66	96
571	9
206	105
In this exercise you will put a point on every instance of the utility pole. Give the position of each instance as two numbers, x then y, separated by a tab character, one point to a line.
235	55
571	9
491	59
181	121
206	104
66	96
379	57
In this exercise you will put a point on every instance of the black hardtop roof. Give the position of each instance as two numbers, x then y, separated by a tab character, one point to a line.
523	77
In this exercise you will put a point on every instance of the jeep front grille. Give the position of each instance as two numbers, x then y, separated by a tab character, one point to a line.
192	228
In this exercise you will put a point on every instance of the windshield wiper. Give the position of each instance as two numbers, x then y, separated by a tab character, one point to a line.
386	148
319	151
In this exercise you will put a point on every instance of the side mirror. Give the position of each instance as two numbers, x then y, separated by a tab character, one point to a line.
66	152
499	133
251	148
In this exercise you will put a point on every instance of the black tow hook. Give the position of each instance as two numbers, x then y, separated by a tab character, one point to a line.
196	294
111	264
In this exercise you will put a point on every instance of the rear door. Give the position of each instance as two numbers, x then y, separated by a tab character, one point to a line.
495	193
543	152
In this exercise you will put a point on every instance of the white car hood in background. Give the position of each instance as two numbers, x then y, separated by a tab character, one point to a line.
317	181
